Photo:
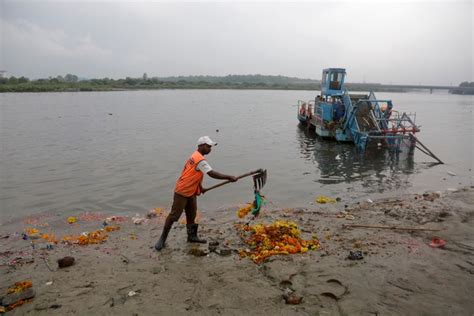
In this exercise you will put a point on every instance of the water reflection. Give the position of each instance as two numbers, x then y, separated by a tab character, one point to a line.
377	170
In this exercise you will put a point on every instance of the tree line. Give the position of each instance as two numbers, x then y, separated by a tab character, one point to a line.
71	82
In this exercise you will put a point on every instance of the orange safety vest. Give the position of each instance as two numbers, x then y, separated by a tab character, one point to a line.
189	183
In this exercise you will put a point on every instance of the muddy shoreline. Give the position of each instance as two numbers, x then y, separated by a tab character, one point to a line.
400	274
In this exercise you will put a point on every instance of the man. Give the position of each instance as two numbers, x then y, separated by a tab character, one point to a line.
187	188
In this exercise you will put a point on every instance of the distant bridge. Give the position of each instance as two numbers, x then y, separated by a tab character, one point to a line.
452	89
423	87
455	90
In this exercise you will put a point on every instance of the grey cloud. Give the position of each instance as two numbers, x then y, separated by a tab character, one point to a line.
398	42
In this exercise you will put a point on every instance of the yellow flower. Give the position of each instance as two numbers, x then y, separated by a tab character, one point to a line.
31	231
243	211
324	199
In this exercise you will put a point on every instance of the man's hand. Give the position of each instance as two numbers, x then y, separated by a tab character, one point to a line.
233	179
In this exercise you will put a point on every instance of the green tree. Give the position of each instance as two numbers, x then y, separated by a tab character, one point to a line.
23	79
70	78
12	80
130	81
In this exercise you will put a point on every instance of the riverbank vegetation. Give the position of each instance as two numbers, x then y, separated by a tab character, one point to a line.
72	82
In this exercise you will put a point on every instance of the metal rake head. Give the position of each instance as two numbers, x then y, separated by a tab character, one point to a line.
260	179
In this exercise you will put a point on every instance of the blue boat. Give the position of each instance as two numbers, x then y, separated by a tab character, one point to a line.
358	118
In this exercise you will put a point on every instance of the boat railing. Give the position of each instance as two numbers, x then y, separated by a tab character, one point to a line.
386	124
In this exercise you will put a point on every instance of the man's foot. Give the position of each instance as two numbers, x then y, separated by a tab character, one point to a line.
160	244
192	234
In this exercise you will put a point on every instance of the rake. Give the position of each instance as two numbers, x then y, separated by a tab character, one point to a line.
259	179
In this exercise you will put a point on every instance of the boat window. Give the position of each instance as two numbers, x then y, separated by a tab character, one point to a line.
336	78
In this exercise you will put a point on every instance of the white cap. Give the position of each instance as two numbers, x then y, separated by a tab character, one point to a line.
206	140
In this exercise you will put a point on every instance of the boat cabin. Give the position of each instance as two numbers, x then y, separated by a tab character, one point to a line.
332	83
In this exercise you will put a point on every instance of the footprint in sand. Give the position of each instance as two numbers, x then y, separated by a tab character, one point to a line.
334	289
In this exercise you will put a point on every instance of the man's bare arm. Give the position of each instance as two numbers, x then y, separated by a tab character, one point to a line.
221	176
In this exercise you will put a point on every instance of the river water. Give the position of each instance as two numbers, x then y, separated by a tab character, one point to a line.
122	152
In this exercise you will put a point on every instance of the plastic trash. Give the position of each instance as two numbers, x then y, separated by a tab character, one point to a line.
437	243
138	220
355	255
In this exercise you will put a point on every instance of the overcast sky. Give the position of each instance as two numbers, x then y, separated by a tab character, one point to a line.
389	42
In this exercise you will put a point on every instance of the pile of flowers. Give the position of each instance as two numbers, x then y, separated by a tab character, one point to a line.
95	237
278	238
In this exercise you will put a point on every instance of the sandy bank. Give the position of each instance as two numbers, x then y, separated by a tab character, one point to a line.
400	273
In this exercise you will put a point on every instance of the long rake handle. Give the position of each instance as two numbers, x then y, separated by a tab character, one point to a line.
251	173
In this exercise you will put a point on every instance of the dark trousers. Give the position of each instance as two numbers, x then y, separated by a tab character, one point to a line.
180	203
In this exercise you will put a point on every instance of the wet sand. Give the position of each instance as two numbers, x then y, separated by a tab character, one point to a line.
400	273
